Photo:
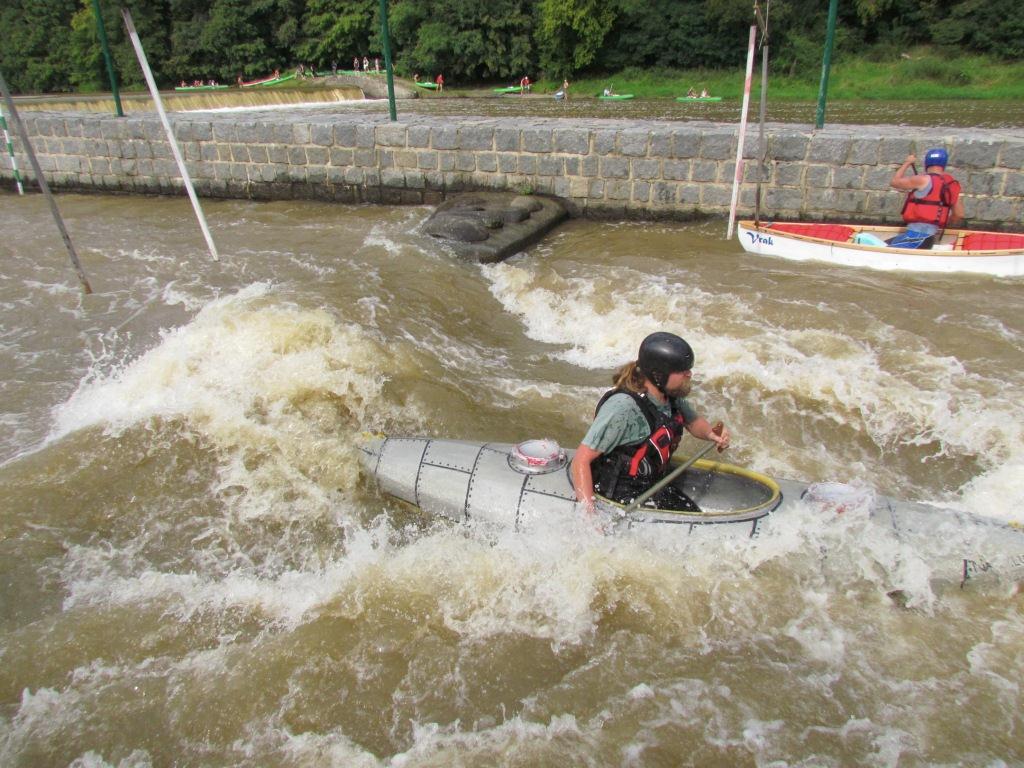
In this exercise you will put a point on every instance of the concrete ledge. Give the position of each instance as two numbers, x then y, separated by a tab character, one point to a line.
599	168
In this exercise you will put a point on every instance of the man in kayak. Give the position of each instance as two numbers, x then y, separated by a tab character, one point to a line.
933	200
638	425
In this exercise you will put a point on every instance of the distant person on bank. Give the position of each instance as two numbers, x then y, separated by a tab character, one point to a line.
933	200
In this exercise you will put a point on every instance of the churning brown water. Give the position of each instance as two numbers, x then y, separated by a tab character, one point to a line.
195	572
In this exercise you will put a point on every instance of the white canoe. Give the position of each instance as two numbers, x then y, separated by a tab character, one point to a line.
506	486
958	250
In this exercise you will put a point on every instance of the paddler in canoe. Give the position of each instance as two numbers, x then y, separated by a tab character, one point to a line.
933	200
638	425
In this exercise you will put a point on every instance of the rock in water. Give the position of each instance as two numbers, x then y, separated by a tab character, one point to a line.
489	227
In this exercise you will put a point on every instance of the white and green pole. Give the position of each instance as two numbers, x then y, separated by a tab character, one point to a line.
10	152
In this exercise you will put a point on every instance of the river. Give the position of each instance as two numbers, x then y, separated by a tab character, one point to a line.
196	572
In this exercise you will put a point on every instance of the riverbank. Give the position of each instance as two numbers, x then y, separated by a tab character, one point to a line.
600	167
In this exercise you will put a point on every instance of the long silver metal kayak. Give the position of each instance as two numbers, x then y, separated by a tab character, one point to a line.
504	485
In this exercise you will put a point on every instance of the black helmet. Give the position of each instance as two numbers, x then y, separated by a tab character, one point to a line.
662	354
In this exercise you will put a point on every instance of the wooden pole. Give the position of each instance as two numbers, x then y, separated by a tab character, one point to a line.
10	153
27	146
738	176
170	133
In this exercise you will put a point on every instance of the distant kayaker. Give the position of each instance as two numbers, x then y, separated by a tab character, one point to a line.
565	89
608	90
933	200
439	82
524	84
638	426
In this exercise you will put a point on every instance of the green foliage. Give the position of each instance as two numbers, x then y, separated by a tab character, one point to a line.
571	32
52	45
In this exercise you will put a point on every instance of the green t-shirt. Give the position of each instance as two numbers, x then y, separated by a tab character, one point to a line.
621	422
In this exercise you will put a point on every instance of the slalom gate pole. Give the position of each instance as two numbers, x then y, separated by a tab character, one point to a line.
170	133
10	152
41	179
738	176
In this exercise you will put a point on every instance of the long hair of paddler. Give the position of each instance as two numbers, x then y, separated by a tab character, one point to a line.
631	378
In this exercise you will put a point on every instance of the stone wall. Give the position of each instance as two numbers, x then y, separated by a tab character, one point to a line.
609	168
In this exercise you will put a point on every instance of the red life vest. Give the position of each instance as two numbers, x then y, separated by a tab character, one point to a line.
935	207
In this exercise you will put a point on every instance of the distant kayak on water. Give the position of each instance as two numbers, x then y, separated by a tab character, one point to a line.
698	98
616	97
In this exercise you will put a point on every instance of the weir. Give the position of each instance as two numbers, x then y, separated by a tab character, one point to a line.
598	167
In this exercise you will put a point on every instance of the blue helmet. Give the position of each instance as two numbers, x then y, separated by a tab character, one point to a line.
937	156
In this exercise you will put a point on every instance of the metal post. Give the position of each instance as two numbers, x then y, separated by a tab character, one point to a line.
762	148
144	63
107	58
386	37
826	62
738	175
27	146
10	152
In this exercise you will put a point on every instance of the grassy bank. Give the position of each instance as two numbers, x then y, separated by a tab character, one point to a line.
917	75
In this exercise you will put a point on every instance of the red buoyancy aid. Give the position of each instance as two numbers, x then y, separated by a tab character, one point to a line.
625	472
935	207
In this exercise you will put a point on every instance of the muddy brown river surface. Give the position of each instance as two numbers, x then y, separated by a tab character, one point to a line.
195	571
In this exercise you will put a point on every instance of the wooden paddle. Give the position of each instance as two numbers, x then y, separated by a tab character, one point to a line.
717	429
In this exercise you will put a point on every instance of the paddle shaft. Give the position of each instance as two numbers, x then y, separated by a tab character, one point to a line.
673	474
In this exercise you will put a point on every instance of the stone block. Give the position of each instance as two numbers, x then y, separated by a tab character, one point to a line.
366	137
863	151
444	137
296	156
828	149
316	174
818	176
894	150
789	174
845	177
465	161
686	143
676	170
367	158
615	168
527	165
548	165
322	135
641	191
415	179
300	134
704	170
572	166
508	163
595	189
634	143
1012	156
663	193
991	210
258	154
392	177
982	182
974	153
716	195
506	139
317	156
390	135
538	140
344	135
660	144
341	156
487	162
1014	185
418	136
788	146
572	141
718	145
446	161
590	166
604	142
618	190
646	169
688	194
427	160
476	137
385	158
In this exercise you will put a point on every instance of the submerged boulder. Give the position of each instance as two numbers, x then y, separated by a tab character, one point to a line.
489	227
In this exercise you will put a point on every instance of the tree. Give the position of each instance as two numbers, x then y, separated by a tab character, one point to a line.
571	32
